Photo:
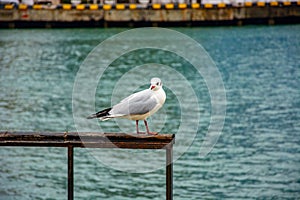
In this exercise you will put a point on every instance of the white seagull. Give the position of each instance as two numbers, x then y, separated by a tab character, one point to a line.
137	106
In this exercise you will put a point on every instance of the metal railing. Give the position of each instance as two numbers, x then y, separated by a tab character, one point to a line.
73	140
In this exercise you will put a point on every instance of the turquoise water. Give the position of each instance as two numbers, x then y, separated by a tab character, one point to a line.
256	157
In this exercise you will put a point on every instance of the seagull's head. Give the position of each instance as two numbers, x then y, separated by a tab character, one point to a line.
156	84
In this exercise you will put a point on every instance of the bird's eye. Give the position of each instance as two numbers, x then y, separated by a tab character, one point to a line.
157	83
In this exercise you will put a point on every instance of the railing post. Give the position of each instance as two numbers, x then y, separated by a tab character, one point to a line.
70	172
94	140
169	172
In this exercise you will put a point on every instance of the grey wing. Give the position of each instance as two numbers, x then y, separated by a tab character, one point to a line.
139	96
136	104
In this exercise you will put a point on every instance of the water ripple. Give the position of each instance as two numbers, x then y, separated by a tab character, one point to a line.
257	156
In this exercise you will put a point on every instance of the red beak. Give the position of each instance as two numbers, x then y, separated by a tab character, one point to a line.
152	87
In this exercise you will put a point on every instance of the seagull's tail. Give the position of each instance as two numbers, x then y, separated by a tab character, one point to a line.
101	114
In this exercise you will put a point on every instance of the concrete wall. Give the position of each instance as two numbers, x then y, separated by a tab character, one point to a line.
151	15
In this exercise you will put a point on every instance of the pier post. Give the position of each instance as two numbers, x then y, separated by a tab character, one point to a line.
70	173
169	172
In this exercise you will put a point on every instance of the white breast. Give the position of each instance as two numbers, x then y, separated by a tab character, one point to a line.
160	97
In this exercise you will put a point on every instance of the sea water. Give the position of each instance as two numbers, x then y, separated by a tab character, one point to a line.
257	155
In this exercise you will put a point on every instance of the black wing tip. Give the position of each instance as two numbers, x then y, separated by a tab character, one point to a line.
99	114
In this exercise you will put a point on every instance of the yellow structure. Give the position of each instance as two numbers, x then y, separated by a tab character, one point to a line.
195	5
248	4
261	4
132	6
8	6
273	3
221	5
169	6
156	6
182	6
94	7
106	7
80	7
23	7
37	7
67	6
208	5
120	6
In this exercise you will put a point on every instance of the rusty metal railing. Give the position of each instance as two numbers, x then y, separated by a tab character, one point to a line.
73	140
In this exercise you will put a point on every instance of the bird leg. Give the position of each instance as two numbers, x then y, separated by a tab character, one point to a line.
147	128
137	127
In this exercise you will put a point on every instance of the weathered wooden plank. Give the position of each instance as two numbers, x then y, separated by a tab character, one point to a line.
90	140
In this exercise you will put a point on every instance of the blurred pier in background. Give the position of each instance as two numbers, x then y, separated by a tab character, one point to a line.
146	13
94	140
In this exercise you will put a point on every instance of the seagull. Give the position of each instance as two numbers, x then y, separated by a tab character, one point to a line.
137	106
